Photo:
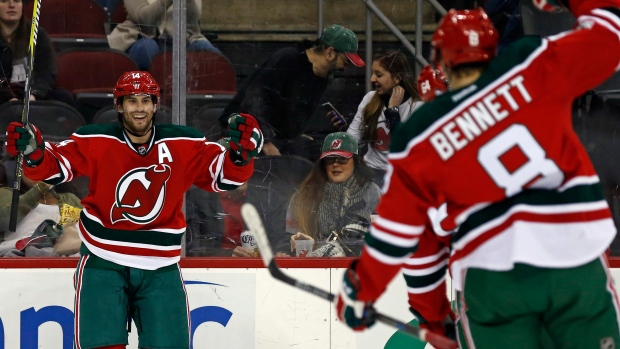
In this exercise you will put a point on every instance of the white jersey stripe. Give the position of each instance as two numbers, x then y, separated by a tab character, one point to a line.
405	229
426	271
391	239
581	180
427	259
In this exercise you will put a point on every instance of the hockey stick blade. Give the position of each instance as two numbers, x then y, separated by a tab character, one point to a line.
255	224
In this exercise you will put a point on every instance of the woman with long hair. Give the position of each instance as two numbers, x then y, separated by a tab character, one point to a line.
337	198
394	98
15	34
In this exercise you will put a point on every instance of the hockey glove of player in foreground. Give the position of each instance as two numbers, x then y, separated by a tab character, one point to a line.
356	314
445	328
246	139
26	139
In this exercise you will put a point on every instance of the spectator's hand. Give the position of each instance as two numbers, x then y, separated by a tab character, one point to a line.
299	236
397	97
246	139
354	313
338	123
242	252
271	150
26	139
32	98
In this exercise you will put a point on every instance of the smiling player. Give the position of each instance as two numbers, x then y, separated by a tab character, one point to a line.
132	223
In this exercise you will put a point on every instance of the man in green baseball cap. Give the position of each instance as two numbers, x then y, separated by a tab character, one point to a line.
342	40
286	90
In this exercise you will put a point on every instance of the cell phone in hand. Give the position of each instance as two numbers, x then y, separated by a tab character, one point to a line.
338	114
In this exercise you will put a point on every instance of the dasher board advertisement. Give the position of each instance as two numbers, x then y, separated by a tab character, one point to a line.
229	307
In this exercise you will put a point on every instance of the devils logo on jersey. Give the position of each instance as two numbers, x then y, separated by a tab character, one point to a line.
140	194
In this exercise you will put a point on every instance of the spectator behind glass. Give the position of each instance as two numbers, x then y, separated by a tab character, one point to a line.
15	33
44	208
285	91
506	16
336	200
214	220
395	97
148	30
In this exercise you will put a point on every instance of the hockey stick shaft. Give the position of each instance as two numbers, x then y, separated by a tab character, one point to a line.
36	11
255	224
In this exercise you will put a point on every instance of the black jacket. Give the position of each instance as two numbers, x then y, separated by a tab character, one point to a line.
282	94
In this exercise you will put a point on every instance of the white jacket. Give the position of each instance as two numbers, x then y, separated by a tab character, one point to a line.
376	156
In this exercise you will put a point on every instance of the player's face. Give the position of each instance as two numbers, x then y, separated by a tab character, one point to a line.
382	80
10	11
138	113
338	172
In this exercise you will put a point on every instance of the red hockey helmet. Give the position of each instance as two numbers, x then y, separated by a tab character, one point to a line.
136	83
465	36
431	83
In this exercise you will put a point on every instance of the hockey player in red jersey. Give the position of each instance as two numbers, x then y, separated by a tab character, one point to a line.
132	223
526	225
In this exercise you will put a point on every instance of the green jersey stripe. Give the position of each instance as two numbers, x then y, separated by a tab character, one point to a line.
388	249
147	237
589	193
425	280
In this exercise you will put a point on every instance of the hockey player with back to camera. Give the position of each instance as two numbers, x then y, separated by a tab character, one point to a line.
132	223
525	219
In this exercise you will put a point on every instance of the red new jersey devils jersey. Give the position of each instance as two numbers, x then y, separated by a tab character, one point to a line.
133	212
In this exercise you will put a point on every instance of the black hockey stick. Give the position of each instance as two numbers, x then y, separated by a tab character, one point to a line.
36	11
255	224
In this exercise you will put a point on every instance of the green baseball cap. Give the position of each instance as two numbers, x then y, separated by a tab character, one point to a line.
342	40
339	144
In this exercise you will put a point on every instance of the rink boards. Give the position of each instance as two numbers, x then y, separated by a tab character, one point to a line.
231	307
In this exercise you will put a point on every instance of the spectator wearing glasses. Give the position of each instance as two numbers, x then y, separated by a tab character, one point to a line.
336	199
286	90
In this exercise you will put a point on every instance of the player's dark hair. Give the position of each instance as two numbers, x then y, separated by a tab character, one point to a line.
317	45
